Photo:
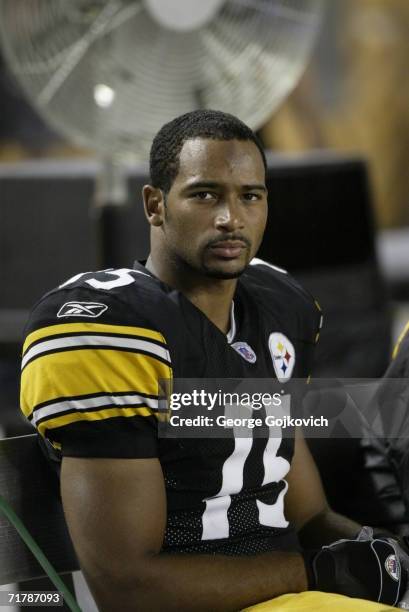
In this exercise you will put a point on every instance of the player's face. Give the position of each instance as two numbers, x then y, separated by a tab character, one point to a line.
217	206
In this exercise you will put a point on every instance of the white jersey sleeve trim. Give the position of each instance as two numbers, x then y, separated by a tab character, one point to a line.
260	262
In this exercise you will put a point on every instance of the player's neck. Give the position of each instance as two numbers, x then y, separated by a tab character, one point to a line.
210	295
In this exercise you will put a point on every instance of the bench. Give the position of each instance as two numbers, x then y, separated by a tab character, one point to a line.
31	488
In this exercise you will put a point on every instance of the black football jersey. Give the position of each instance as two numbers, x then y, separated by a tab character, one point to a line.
94	352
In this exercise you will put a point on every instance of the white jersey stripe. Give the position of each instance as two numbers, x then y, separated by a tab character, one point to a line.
52	410
78	341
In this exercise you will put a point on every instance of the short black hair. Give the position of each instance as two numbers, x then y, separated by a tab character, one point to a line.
168	142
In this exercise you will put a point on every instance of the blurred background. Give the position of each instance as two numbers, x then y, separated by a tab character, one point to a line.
329	98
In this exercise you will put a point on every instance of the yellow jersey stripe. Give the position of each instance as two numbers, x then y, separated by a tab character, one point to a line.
86	327
87	372
107	413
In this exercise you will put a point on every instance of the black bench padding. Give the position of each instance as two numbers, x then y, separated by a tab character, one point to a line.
30	486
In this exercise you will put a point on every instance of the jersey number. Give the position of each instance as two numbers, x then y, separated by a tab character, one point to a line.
215	516
121	278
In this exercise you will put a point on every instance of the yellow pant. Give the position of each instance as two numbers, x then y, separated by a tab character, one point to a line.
315	601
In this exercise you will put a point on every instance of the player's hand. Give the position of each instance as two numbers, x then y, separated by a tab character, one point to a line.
369	568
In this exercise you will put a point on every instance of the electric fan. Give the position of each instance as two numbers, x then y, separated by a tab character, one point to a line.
109	73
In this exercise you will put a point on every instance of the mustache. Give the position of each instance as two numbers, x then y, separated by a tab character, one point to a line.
229	238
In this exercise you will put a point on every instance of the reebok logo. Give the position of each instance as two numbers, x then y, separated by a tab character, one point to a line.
81	309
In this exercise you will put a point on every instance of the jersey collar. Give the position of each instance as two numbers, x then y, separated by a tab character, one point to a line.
232	331
231	334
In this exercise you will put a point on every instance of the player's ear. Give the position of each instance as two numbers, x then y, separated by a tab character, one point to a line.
154	205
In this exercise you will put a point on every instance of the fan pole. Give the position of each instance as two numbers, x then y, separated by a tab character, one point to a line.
110	202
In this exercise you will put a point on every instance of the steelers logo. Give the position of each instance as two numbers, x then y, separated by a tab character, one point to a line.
283	355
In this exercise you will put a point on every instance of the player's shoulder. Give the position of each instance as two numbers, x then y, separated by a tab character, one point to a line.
121	296
274	288
264	277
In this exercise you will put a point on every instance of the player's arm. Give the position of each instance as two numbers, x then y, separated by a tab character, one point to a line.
116	513
306	503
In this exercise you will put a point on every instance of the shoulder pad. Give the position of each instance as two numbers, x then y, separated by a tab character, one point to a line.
121	296
268	277
277	290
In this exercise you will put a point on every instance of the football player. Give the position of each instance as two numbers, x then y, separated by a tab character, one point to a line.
162	523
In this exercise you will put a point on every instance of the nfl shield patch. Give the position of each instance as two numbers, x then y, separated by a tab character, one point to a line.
283	355
392	567
245	351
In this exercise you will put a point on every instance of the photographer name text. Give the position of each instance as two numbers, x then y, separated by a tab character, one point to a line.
247	422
